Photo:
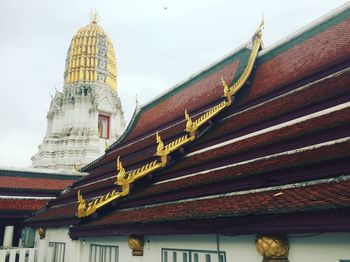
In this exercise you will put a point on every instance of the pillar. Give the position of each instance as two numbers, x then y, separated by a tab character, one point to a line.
8	236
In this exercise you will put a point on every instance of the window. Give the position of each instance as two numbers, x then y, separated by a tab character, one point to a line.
103	126
102	64
187	255
28	237
101	41
102	52
58	251
99	253
101	77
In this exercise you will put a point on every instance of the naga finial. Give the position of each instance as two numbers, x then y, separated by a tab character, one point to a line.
160	145
226	89
227	92
189	122
191	126
81	205
258	32
121	172
119	166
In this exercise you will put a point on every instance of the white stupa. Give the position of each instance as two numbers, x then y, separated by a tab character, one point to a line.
87	115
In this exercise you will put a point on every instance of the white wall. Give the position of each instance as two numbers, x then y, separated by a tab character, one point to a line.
320	248
303	247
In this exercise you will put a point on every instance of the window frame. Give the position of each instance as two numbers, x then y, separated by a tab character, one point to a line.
165	252
55	246
101	115
101	247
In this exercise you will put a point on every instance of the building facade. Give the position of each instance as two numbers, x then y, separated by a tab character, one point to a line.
246	161
87	116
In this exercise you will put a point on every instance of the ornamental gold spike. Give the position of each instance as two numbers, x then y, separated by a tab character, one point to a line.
121	176
191	126
189	122
162	152
160	145
82	207
227	93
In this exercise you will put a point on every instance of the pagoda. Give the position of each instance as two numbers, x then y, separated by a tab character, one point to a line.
87	116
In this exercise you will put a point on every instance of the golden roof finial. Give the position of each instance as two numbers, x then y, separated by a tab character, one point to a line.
94	17
258	32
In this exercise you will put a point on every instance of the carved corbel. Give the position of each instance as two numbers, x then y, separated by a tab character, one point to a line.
42	232
274	248
136	244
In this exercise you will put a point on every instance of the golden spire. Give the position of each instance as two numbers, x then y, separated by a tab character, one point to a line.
91	57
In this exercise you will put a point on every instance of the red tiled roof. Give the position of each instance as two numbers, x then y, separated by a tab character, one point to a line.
302	198
32	183
300	77
56	213
273	73
203	92
314	54
21	204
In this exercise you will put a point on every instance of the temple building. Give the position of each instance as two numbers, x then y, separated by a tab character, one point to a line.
87	116
246	161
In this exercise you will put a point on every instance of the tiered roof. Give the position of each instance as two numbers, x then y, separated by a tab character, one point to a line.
273	160
24	190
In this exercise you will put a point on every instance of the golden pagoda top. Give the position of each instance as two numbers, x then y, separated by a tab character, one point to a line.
91	57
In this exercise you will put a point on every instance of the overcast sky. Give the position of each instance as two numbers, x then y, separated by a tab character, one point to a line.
158	43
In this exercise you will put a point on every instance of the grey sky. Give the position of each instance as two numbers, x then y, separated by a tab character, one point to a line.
155	47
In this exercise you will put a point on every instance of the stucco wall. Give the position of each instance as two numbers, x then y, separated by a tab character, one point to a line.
303	248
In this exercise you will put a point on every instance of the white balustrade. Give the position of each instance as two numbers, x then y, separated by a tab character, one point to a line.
19	255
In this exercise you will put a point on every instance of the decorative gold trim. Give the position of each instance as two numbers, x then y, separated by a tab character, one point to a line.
124	179
257	44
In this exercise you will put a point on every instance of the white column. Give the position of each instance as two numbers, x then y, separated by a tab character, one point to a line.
43	250
8	236
75	250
